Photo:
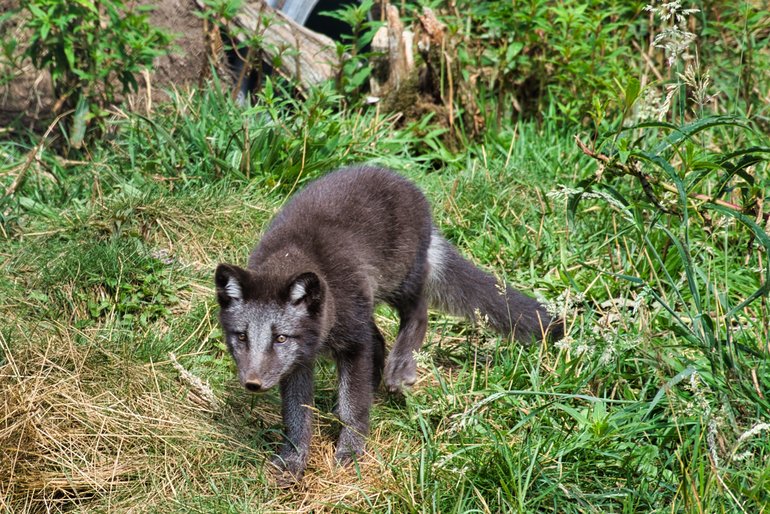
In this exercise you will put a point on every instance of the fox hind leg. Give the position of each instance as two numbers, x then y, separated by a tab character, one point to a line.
400	368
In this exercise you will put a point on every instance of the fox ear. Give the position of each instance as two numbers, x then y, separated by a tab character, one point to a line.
307	288
229	280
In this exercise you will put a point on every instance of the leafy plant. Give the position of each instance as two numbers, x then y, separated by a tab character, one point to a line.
116	280
90	47
8	47
690	231
695	221
279	142
244	48
353	51
523	59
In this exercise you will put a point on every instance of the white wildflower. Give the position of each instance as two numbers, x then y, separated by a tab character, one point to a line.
699	82
608	355
711	436
584	348
563	192
699	389
668	10
423	359
674	38
756	429
564	344
648	108
753	431
671	89
741	456
482	320
163	256
674	42
200	392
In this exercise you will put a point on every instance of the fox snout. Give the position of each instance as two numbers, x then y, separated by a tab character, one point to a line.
261	373
255	384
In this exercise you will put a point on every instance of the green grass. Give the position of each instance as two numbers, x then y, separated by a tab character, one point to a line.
107	268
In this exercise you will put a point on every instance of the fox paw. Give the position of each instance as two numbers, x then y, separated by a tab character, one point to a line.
350	446
287	471
400	373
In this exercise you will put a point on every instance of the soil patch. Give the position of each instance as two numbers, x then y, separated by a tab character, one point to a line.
29	96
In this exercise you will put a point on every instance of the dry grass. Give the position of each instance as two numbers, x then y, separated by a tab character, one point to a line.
326	487
77	425
193	234
83	428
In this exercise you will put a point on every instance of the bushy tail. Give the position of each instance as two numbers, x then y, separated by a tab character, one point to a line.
456	286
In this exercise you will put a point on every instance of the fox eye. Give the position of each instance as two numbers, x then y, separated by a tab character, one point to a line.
280	338
241	336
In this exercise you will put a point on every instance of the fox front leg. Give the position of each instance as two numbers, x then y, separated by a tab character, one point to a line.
296	409
356	390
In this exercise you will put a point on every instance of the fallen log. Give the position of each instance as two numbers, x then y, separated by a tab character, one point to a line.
294	51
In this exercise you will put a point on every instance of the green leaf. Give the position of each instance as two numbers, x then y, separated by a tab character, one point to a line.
513	50
79	122
36	11
88	5
45	29
69	52
690	129
631	92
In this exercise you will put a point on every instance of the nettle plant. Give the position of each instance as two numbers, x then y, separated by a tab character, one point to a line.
93	49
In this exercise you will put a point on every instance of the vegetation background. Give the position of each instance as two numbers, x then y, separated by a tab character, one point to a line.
607	157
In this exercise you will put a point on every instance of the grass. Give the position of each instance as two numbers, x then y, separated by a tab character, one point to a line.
656	401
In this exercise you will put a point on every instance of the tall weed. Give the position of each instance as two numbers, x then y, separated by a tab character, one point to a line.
678	200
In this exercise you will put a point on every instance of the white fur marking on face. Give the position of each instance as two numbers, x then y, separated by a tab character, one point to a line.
233	289
297	291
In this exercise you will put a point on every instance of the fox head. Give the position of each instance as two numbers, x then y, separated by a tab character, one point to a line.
270	325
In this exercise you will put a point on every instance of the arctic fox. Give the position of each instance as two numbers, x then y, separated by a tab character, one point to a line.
349	240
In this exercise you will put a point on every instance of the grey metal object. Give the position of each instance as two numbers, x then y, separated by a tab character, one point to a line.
297	10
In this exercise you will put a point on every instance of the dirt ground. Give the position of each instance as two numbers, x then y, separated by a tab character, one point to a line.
29	96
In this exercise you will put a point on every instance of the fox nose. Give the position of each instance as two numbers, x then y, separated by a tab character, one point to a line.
253	385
